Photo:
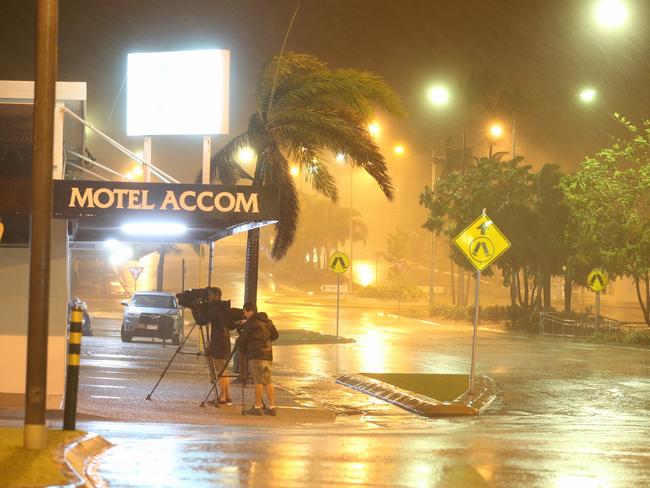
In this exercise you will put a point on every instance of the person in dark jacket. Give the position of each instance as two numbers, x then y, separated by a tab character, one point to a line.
255	341
214	312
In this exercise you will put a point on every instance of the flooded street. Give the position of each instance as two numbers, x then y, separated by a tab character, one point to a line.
567	414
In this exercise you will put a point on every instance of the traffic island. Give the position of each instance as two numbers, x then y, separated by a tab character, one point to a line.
429	395
61	462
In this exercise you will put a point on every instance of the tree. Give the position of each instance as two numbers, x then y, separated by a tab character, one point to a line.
304	108
609	204
506	190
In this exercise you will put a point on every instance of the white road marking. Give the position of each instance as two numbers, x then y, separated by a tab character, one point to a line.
108	397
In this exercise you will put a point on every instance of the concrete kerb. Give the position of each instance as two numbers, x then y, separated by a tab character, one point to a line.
81	459
464	405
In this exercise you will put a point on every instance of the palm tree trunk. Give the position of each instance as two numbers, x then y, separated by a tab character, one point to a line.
514	133
160	269
568	289
453	289
252	264
644	306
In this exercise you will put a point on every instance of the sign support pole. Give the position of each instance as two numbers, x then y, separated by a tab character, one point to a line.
473	368
35	428
338	297
597	309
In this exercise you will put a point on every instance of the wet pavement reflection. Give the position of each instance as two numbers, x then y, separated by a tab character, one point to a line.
568	414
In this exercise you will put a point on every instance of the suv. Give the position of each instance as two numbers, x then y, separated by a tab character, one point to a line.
152	314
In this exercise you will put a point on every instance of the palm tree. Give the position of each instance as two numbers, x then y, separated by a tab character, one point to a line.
304	108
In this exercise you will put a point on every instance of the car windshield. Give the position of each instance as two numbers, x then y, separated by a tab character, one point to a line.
153	301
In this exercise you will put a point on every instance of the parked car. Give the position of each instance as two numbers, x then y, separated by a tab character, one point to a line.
152	314
85	319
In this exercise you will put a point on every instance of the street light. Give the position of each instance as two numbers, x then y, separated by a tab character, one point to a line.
611	14
496	131
294	170
374	129
399	150
438	95
587	95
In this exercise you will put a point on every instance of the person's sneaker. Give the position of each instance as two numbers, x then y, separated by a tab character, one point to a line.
271	411
227	401
254	411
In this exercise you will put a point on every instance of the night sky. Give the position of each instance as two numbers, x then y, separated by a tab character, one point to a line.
548	49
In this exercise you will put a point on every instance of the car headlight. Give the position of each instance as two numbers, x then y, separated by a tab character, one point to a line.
174	314
131	315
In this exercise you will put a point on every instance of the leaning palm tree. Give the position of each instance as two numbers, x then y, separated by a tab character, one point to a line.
304	109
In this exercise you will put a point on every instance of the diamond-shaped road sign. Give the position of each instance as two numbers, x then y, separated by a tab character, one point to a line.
482	242
339	262
135	271
597	279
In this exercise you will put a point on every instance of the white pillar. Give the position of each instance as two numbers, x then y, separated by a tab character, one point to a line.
207	151
146	156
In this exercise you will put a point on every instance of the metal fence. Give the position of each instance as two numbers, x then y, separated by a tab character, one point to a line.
582	325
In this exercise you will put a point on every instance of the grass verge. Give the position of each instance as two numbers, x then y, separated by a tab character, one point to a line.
24	467
442	387
291	337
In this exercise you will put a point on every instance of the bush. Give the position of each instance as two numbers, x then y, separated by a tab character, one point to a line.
636	337
492	313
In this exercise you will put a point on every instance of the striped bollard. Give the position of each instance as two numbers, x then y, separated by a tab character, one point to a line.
72	376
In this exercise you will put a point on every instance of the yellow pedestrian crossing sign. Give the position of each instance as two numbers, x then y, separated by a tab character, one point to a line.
482	242
339	262
597	279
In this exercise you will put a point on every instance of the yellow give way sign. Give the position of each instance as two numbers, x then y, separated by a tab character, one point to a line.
597	279
339	262
482	242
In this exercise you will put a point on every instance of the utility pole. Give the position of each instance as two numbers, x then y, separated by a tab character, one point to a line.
433	236
35	431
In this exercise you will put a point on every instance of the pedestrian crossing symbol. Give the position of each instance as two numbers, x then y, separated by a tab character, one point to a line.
339	262
482	242
597	279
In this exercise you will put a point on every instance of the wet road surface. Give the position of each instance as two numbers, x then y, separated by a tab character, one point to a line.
569	414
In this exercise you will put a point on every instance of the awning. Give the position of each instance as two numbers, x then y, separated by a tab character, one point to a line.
144	212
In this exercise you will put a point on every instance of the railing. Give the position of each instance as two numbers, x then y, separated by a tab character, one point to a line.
581	325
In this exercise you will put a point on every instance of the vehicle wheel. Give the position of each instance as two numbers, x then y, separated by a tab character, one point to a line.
126	337
176	339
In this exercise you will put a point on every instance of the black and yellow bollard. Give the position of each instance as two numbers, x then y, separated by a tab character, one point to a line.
72	377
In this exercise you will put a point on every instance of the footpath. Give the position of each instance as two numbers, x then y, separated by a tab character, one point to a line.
301	399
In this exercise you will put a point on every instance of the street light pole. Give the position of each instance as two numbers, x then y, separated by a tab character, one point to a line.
35	431
433	236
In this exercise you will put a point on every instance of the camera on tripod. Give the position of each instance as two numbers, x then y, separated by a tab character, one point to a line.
196	299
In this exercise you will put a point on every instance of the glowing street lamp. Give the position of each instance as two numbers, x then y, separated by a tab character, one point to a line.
611	14
374	129
399	150
246	155
294	170
340	158
438	95
496	131
587	95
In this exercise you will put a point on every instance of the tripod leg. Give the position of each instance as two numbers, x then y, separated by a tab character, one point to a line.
214	385
170	362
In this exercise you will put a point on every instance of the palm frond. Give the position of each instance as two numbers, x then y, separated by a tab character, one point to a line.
223	165
321	180
278	175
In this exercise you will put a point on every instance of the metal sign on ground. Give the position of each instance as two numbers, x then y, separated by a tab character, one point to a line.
135	271
482	243
339	263
597	280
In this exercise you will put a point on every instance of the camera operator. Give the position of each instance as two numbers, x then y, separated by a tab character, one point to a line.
255	341
218	350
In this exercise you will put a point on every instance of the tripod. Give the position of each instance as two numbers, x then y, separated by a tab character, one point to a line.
243	376
179	350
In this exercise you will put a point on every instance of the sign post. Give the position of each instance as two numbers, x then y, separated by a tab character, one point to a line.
135	272
482	243
597	279
339	263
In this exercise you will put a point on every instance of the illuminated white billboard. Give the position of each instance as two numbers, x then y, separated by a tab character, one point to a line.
178	92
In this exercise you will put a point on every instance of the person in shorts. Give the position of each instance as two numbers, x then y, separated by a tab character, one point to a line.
255	341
